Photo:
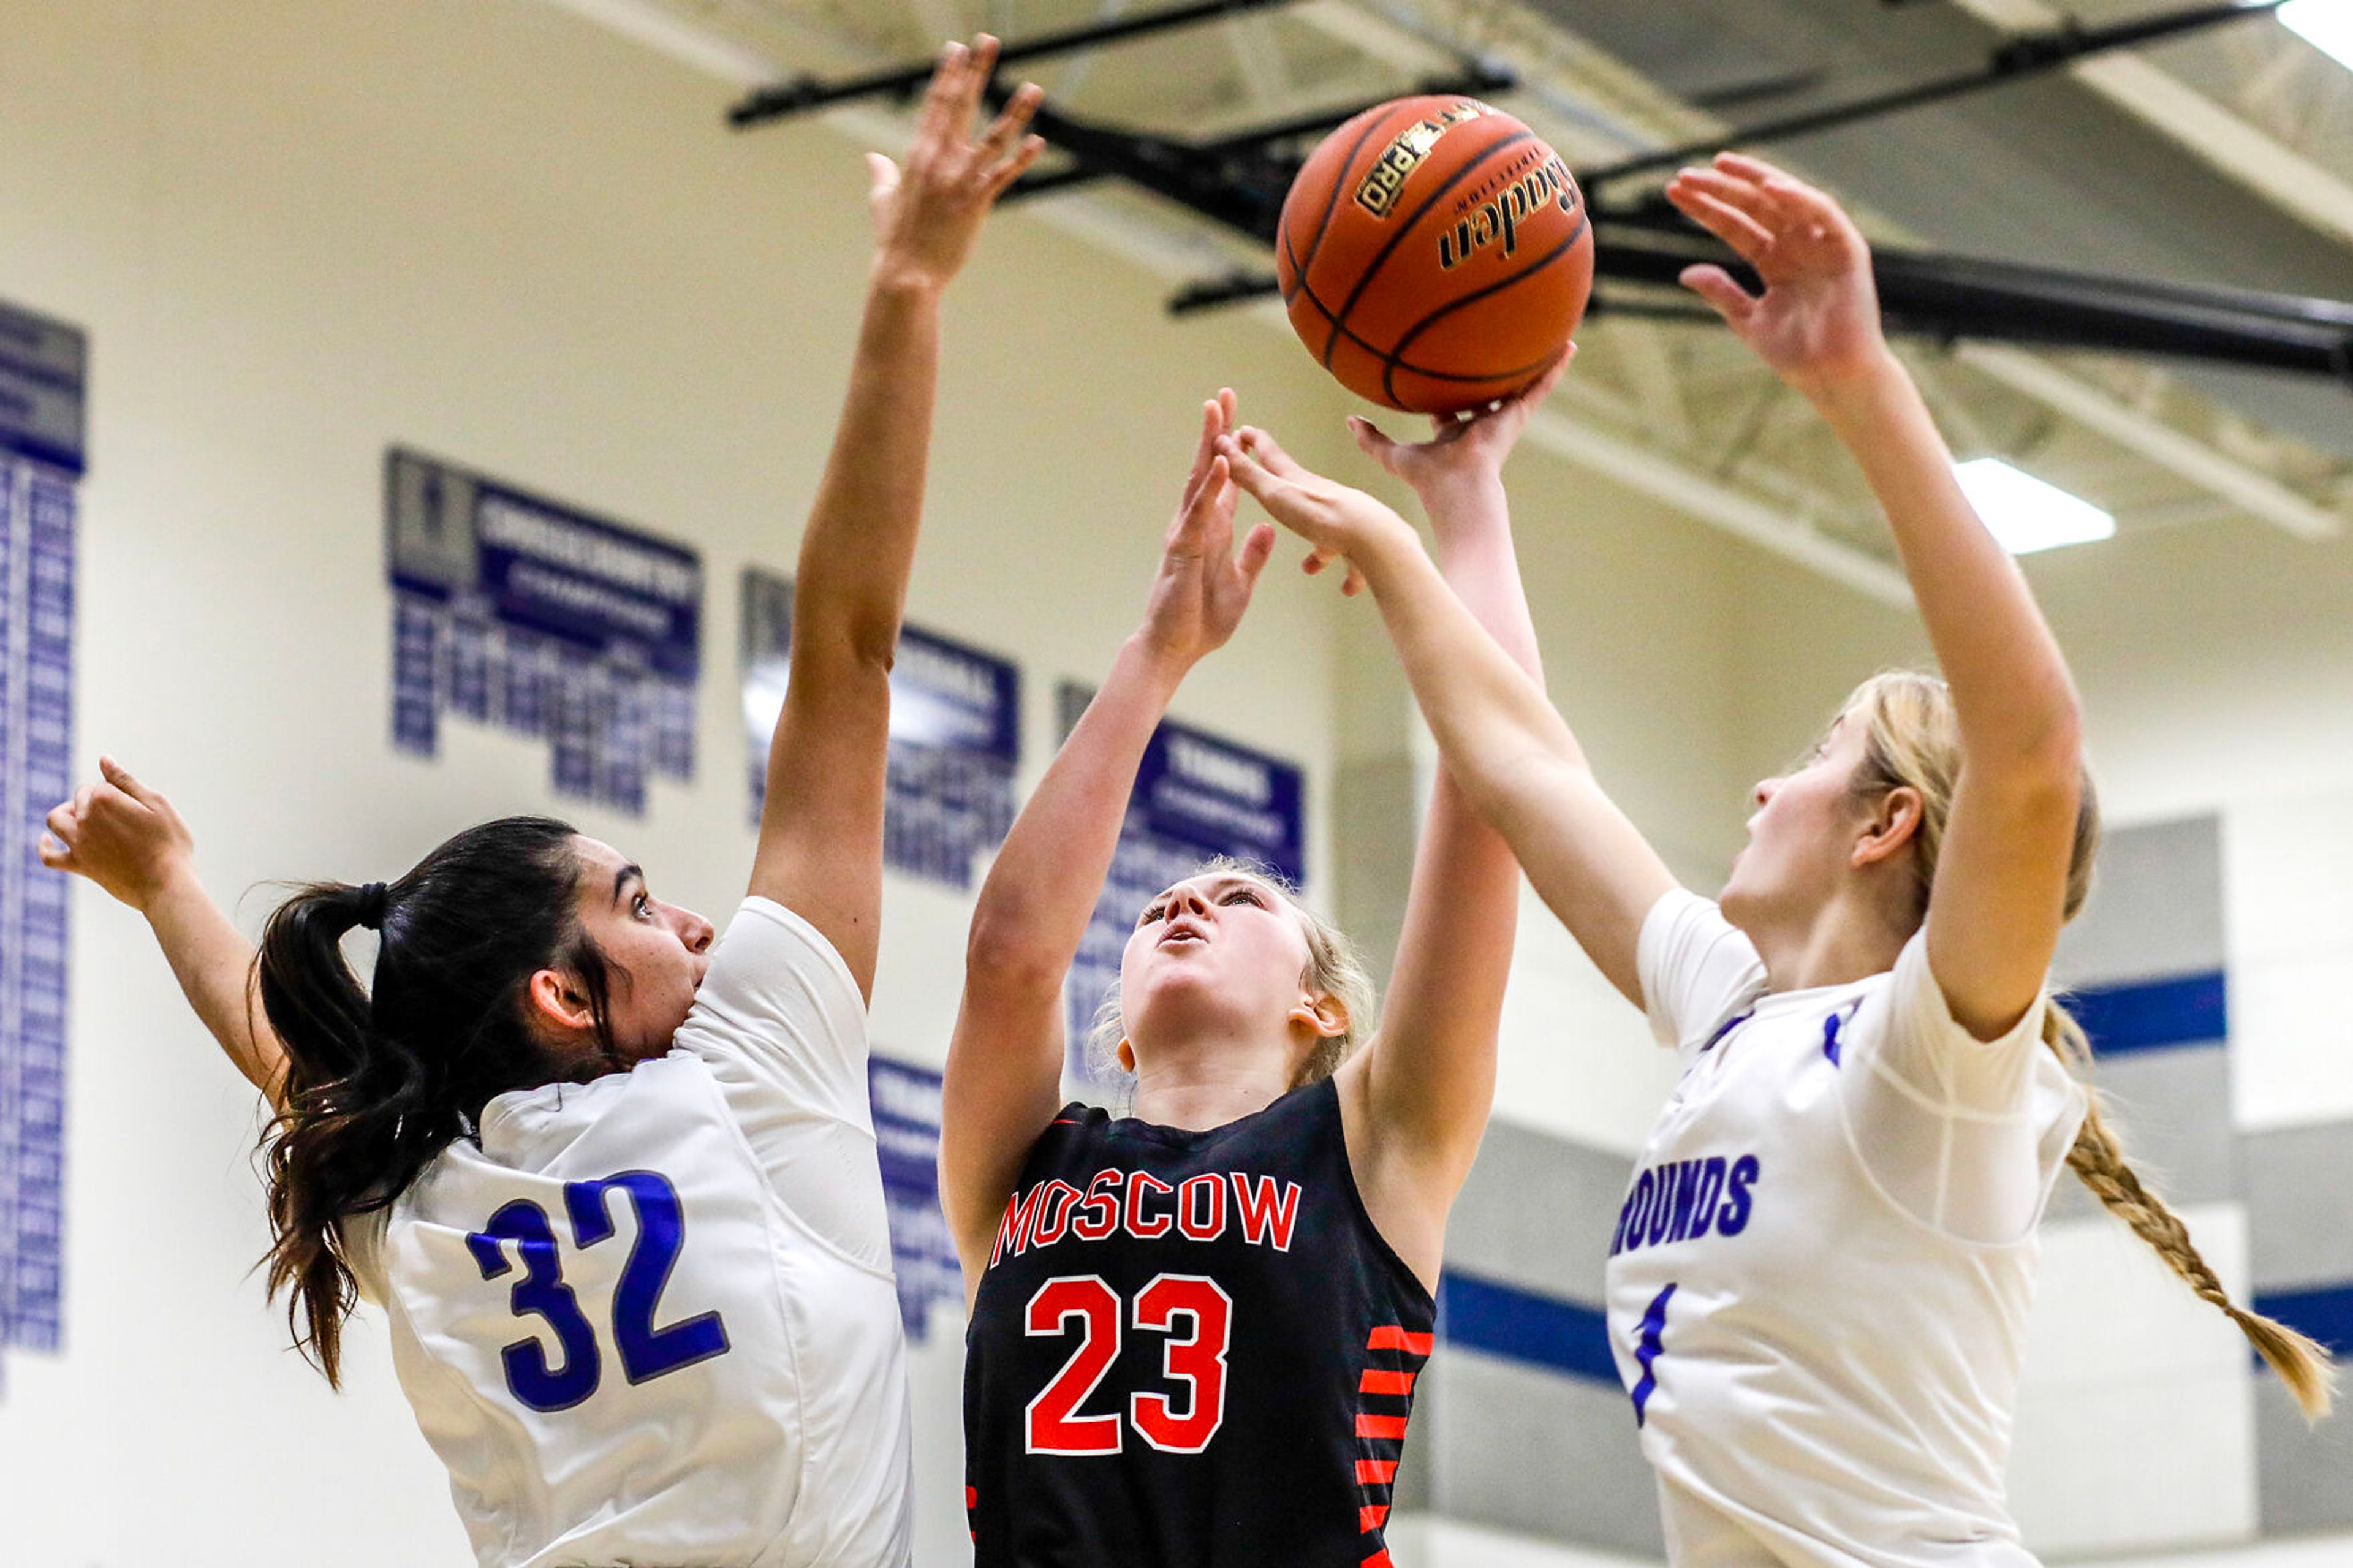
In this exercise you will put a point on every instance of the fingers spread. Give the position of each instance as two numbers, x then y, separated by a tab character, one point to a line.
941	100
1255	549
1267	452
1006	129
1714	285
1749	239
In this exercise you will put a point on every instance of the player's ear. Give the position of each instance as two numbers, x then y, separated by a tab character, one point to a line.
1894	823
1322	1015
555	1001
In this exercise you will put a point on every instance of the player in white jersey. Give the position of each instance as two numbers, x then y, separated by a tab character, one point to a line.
1820	1281
613	1182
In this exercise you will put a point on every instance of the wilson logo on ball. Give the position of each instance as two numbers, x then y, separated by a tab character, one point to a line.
1377	193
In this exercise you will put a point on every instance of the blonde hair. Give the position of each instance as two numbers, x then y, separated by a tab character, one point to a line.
1913	740
1335	970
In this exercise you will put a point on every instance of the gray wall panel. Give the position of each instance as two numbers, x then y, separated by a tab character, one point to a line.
1538	1212
2156	907
2172	1109
2300	1205
1518	1450
2305	1474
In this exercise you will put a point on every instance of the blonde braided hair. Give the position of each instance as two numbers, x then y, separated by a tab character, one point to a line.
1913	740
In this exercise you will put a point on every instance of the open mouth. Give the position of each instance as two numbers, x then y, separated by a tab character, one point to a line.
1183	931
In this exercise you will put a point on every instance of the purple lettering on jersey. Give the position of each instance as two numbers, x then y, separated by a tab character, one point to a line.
1686	1196
1625	1212
1662	1206
1734	1217
1137	1225
1101	1211
1266	1214
1711	1187
1645	1188
1198	1222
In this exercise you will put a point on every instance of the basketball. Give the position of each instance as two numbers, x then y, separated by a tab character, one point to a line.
1434	254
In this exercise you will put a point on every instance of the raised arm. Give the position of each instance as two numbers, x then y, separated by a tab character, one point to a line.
1004	1061
129	841
1417	1098
821	848
2000	887
1502	742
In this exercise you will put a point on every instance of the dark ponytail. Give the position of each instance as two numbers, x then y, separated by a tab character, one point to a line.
381	1079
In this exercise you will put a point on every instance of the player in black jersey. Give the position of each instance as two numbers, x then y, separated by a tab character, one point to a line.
1195	1332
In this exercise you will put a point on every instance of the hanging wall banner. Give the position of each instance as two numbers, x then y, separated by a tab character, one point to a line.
514	610
906	1101
1197	796
42	378
956	736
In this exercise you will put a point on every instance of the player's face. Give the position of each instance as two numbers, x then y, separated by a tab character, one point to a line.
656	953
1213	951
1800	837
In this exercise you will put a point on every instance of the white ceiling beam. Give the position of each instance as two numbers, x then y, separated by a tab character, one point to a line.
2321	198
2172	449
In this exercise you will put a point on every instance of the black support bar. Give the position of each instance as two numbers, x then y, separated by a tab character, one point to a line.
2029	55
802	94
1480	78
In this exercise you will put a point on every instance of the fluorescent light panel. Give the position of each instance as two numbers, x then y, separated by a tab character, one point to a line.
2325	24
2026	514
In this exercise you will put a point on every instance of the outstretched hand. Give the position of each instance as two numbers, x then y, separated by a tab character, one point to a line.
1203	586
1459	451
1337	522
1817	323
927	215
120	835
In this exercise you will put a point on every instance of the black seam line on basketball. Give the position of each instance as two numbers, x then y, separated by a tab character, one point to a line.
1332	202
1365	278
1396	356
1412	369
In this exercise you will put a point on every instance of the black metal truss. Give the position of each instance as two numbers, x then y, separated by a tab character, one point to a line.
1239	181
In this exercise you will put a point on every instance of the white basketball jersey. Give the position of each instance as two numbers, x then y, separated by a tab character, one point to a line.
1819	1286
650	1320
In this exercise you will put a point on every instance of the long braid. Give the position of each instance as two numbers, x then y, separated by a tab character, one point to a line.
1914	742
2098	1161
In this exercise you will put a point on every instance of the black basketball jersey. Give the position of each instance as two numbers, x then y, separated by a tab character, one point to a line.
1190	1350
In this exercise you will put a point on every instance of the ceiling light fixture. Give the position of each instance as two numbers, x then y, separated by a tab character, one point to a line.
2026	514
2325	24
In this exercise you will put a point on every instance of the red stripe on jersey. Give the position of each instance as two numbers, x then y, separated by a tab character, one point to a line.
1375	1472
1371	1517
972	1497
1388	1426
1389	1337
1378	1382
1377	1560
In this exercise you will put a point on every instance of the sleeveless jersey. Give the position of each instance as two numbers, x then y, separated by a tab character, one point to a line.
650	1319
1190	1349
1819	1286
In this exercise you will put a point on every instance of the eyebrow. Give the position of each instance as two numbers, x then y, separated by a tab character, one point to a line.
621	878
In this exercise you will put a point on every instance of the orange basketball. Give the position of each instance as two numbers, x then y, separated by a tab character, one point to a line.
1434	254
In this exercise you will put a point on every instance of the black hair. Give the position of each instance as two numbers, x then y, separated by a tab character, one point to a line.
380	1081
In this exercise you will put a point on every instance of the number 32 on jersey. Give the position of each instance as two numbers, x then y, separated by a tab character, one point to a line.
1193	1354
646	1351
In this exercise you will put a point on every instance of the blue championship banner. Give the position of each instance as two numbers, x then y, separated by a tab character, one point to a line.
906	1101
1197	796
43	369
514	610
956	736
